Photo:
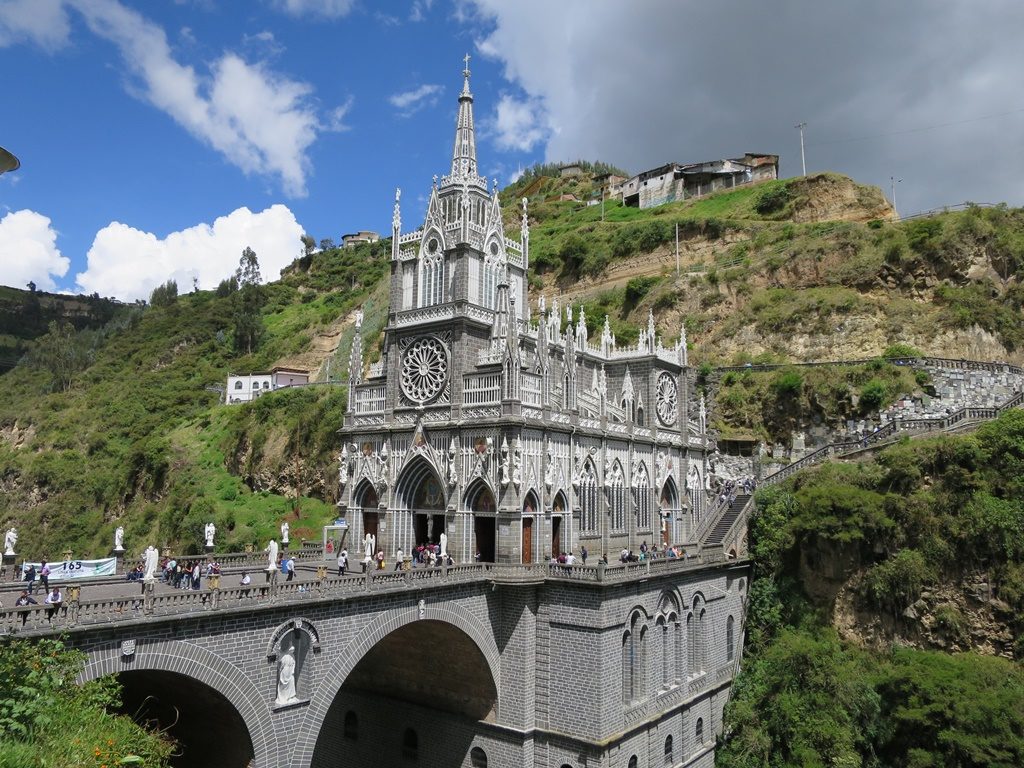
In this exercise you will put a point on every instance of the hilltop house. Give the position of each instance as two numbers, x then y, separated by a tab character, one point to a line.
245	387
352	239
675	181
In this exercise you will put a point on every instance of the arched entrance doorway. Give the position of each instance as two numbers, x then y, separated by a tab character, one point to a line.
530	507
669	510
365	498
412	698
480	501
207	727
419	492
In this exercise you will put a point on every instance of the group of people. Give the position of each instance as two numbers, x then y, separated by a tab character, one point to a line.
54	602
42	573
181	574
730	488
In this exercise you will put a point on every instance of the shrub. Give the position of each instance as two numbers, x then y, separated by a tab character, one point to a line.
788	383
901	350
773	199
897	582
873	395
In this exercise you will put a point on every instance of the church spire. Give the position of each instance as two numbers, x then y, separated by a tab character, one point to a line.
464	153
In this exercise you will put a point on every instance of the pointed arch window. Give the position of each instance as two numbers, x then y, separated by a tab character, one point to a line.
730	638
491	275
588	499
634	647
642	498
616	486
432	273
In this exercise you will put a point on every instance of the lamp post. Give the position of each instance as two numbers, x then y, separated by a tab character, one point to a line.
803	160
893	181
8	162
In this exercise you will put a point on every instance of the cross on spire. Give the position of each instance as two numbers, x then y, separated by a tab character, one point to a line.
465	72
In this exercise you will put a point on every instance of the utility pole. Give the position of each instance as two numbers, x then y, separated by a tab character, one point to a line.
893	181
602	204
803	160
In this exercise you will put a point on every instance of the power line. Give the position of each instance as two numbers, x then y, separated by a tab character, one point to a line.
917	130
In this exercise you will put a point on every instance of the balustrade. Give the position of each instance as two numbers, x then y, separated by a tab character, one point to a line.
370	398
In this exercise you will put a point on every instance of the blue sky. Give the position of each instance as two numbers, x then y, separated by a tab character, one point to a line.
158	139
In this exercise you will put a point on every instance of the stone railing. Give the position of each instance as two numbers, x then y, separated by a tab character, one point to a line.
530	389
894	428
934	362
267	590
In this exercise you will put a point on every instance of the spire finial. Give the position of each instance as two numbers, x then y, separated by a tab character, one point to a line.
464	153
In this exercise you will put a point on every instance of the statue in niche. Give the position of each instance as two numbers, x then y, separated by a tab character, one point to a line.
286	676
453	470
517	464
549	469
505	466
444	544
343	466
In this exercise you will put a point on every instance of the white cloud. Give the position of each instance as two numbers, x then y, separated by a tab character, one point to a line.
519	124
420	9
28	251
328	9
260	121
412	101
128	263
43	22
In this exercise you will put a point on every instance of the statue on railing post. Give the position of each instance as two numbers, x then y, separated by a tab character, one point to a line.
209	532
284	534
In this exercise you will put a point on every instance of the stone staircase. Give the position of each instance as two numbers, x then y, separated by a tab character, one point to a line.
719	532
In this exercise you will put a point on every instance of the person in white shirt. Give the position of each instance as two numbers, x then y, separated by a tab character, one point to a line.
54	599
342	562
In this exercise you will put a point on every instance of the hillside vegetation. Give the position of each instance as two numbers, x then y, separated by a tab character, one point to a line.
863	574
799	269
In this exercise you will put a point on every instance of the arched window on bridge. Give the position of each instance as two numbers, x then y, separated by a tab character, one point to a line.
351	728
410	744
477	758
699	734
669	760
632	762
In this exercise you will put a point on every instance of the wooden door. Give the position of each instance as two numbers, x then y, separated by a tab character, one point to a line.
527	540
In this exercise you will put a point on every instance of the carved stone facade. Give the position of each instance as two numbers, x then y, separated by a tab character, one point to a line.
520	437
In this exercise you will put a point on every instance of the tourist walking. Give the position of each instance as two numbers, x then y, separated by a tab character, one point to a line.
342	562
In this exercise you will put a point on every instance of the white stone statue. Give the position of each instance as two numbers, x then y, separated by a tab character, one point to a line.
369	546
284	532
10	540
119	539
286	677
152	563
444	544
210	530
271	551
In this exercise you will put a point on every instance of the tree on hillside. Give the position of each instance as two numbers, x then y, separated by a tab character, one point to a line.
308	244
249	300
327	244
64	352
164	295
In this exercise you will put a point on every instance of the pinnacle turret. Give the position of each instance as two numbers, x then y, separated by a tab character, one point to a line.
464	152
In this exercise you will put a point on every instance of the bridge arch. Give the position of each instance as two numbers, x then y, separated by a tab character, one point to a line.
175	657
373	633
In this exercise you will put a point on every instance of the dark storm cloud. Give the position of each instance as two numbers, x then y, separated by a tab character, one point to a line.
926	90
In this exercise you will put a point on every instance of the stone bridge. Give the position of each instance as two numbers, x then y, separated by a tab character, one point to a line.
474	665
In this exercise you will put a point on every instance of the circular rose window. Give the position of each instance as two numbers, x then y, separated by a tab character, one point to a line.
667	399
424	369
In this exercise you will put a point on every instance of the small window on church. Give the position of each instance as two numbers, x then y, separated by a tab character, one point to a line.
700	730
494	249
432	246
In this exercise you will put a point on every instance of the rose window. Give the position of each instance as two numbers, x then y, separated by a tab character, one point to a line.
424	369
667	399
